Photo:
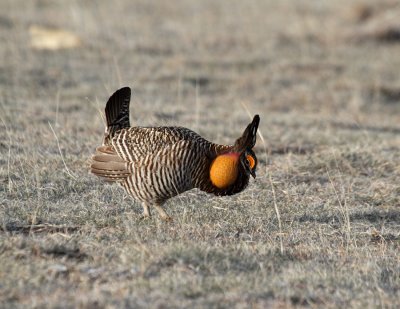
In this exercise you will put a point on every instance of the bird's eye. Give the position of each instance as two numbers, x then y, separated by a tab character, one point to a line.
251	161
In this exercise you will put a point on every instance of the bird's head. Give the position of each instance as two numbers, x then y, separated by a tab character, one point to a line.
239	162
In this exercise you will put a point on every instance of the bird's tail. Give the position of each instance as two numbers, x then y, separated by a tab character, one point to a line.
117	112
108	165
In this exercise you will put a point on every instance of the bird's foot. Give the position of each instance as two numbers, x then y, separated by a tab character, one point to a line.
164	216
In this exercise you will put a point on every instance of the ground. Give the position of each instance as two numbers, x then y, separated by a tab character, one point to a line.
318	227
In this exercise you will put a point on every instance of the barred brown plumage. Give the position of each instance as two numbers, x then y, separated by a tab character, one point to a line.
154	164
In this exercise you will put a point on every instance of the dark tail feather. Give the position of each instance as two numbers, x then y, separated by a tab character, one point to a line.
117	110
249	136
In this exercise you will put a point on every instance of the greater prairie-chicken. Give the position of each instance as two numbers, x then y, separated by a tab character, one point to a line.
154	164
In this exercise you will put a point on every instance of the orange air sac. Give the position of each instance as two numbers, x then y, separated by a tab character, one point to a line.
224	170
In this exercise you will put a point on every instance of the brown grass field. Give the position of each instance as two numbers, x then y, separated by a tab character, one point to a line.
318	228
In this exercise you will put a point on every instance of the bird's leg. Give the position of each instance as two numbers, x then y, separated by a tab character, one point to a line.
162	213
146	211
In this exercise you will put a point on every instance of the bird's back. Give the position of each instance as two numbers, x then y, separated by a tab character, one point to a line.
134	143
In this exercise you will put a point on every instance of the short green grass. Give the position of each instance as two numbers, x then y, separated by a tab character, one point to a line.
319	227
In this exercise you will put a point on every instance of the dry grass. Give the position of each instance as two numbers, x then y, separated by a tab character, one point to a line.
328	98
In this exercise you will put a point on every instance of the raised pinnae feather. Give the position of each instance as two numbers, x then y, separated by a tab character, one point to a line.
249	136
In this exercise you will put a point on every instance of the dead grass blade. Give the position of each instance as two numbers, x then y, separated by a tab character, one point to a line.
62	157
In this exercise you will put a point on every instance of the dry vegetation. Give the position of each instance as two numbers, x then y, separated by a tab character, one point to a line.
323	75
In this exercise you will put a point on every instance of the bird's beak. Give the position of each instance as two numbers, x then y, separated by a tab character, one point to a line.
253	173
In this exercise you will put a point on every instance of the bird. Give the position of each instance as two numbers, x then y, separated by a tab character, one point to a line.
154	164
